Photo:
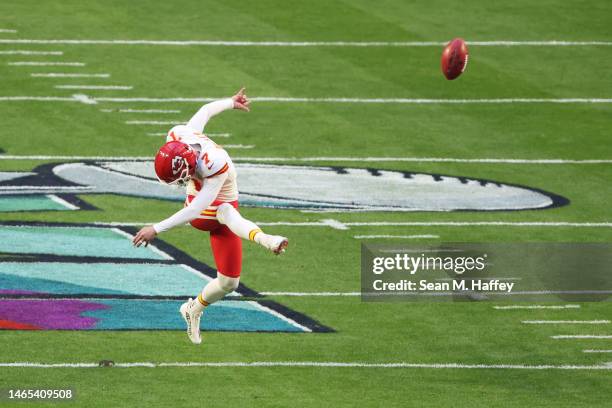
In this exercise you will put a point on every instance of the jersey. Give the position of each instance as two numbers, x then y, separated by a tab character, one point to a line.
212	160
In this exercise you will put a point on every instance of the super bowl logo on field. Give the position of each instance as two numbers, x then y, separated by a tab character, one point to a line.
301	187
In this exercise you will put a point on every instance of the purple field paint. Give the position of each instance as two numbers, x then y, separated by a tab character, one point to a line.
55	314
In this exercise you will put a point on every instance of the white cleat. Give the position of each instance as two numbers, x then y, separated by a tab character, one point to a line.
192	318
275	243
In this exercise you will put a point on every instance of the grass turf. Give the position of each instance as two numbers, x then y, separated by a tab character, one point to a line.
322	259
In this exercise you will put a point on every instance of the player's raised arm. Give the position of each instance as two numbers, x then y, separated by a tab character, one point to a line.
206	112
204	198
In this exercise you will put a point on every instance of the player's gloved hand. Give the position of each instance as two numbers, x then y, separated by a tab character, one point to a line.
144	236
241	101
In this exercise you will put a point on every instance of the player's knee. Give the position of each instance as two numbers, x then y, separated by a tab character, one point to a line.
223	212
228	284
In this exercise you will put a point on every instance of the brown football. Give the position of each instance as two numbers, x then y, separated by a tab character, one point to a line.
454	58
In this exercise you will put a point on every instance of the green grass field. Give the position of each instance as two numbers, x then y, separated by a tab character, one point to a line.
325	259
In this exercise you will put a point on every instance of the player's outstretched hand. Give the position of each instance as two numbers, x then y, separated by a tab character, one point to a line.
241	101
144	236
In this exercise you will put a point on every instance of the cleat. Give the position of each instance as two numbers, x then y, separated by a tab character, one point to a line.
275	243
282	247
192	318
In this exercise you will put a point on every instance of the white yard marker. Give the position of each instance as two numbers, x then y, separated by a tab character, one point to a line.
47	64
28	52
221	43
89	100
597	351
153	122
312	364
7	30
67	75
96	87
84	99
344	226
420	101
479	223
395	236
148	111
238	146
215	135
552	307
46	188
425	160
565	322
275	99
308	294
582	336
62	202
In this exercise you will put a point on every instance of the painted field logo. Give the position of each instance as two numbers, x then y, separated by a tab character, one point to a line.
88	277
303	187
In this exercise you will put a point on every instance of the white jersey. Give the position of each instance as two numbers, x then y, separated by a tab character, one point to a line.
212	160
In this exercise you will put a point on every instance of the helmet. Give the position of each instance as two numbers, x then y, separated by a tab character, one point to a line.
175	163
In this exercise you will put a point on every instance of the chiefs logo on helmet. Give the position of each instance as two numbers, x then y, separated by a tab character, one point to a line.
175	162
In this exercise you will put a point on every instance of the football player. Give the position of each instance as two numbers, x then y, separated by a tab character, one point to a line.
190	158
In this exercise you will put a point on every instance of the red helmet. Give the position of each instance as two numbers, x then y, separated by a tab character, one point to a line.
175	163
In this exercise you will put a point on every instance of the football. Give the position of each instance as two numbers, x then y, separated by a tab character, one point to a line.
454	58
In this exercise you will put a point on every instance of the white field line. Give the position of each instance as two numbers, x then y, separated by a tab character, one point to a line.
480	223
280	316
238	146
565	322
148	111
581	336
153	122
596	351
97	87
312	364
308	294
201	276
543	292
207	134
152	247
205	278
84	99
344	226
326	100
47	64
28	52
7	30
221	43
426	160
548	307
285	159
166	134
420	101
62	202
67	75
46	188
396	236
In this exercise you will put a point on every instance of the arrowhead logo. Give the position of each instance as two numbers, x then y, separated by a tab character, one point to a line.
177	165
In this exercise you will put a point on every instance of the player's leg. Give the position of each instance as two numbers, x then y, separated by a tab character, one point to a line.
246	229
227	250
